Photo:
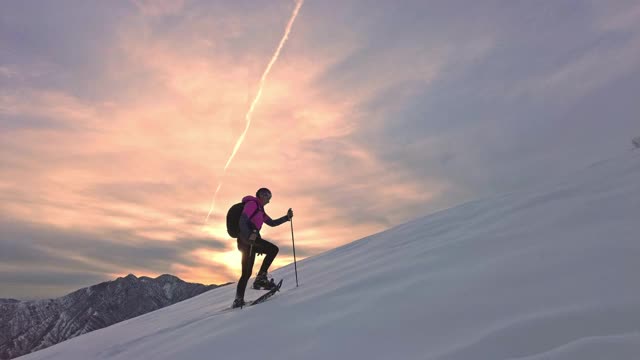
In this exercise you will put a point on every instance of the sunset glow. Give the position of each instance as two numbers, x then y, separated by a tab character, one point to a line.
120	120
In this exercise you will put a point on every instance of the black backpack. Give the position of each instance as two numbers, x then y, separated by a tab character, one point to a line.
233	219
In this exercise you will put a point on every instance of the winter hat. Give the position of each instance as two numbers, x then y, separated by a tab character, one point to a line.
263	192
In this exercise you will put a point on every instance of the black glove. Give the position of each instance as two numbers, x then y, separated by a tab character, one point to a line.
290	213
253	237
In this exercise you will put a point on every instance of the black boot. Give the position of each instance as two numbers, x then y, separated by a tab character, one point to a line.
238	303
262	281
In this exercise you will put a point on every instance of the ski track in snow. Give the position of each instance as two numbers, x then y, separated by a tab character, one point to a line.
546	273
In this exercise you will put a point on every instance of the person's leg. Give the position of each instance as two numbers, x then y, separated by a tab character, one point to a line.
248	258
270	250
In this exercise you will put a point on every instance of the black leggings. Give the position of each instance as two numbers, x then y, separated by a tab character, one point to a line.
261	246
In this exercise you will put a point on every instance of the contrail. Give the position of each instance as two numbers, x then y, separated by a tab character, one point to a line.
256	99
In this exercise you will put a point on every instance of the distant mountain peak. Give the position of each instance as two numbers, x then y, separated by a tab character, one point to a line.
40	324
168	277
128	277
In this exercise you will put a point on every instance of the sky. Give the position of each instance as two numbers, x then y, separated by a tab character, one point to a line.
117	119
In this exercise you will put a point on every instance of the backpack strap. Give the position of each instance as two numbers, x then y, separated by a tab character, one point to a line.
255	211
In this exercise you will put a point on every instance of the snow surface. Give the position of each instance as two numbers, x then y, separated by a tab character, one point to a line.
547	273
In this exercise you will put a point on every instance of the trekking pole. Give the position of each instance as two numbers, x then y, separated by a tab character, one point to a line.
295	265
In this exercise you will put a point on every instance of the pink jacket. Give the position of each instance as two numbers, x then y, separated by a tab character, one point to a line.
251	204
253	217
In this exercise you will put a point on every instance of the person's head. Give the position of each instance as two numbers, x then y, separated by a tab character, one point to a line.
264	195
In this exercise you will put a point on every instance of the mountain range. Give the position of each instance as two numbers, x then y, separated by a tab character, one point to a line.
27	326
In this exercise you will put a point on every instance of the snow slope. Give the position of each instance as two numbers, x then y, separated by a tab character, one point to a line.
548	273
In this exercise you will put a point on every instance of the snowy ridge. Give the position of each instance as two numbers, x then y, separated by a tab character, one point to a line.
26	326
547	273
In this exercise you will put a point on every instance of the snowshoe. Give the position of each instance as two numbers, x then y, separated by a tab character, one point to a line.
267	295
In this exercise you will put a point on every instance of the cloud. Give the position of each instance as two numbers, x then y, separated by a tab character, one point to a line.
155	8
7	72
29	284
602	64
620	16
55	255
473	128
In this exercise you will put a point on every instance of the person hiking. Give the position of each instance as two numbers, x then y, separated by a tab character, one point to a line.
251	243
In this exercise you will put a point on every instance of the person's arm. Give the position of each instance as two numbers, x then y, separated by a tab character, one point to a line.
276	222
279	221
